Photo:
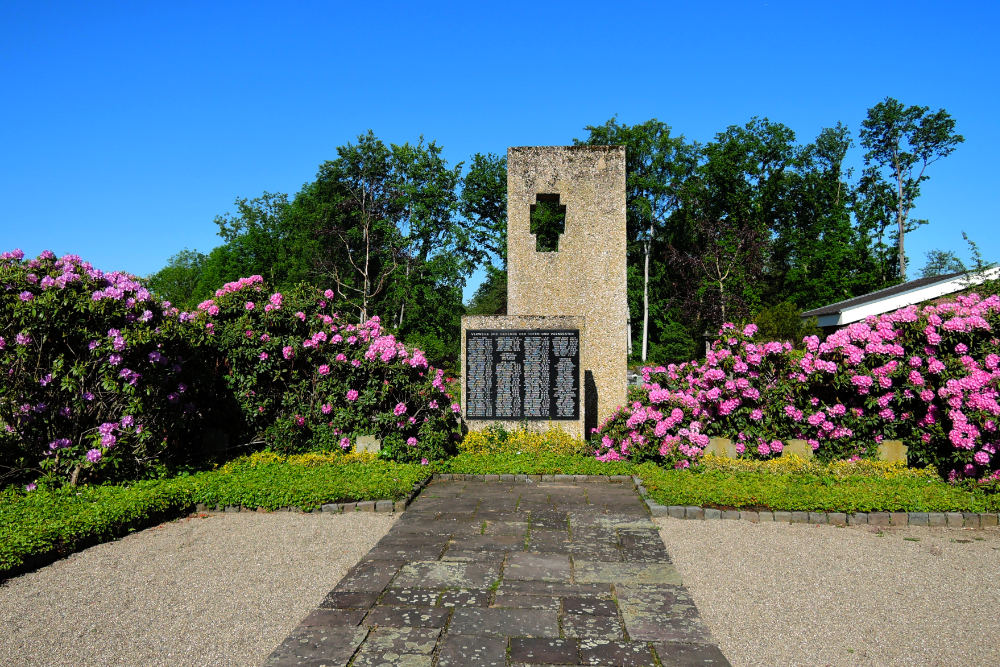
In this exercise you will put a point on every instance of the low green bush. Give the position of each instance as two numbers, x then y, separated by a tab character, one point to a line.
811	492
40	526
527	463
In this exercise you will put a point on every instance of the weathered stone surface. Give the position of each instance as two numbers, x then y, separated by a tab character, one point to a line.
918	518
341	600
837	518
799	517
537	567
409	647
464	650
899	518
443	574
465	598
407	617
313	645
892	450
591	572
799	448
782	517
609	652
525	601
368	576
681	653
548	651
954	519
585	625
936	519
497	622
730	514
857	519
879	518
331	618
818	517
711	513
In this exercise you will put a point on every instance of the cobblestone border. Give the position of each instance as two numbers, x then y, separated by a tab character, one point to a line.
949	519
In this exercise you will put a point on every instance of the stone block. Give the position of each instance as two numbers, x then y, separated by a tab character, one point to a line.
917	518
857	519
711	513
730	514
899	518
365	506
333	507
782	517
953	519
658	510
837	518
800	517
399	506
988	520
766	517
694	513
892	450
750	515
971	519
676	511
722	447
368	443
879	518
506	478
383	505
799	448
936	519
818	517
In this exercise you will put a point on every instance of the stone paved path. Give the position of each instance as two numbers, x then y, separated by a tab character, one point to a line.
490	573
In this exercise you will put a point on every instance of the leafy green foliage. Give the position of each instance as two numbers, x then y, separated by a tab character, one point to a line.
808	492
49	523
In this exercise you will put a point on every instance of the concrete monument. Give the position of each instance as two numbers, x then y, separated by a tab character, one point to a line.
559	355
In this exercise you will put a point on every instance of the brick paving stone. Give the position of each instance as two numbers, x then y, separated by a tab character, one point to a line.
576	604
407	617
684	654
537	567
331	618
407	597
548	540
596	572
585	625
618	653
443	574
499	622
405	647
488	543
464	650
525	601
465	598
508	587
343	600
368	576
544	651
309	646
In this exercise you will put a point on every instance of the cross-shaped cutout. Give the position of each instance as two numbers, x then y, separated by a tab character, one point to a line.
548	222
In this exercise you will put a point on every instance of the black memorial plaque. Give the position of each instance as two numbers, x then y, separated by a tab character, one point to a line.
522	374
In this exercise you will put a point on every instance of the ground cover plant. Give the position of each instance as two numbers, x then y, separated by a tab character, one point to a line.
52	521
929	376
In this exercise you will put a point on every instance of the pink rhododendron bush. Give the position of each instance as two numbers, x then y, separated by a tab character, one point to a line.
927	376
307	378
103	382
97	382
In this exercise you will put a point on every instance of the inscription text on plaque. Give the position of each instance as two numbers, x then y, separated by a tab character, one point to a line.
520	374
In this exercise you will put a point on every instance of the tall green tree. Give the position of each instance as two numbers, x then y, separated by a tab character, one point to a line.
177	282
900	143
657	166
483	204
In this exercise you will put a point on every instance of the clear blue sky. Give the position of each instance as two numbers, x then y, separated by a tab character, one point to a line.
125	128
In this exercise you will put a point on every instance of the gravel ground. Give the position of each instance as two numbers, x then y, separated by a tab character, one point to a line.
225	589
800	594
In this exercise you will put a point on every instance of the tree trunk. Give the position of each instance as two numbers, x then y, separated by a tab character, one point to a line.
645	299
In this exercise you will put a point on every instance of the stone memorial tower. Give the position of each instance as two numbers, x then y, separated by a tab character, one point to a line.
559	356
